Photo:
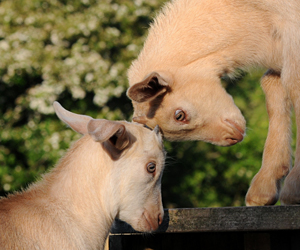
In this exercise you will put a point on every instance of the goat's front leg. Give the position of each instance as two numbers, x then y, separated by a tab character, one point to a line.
265	186
291	190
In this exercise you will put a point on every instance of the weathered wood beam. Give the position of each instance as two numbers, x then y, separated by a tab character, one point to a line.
226	219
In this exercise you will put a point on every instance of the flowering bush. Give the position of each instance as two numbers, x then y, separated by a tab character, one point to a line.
76	52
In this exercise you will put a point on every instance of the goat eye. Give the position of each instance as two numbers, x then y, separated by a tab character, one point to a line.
179	115
151	167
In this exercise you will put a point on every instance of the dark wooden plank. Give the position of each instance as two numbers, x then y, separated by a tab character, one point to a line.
179	241
268	240
115	242
295	240
257	241
224	219
281	240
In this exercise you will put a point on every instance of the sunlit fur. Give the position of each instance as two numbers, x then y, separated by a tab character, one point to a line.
194	43
74	205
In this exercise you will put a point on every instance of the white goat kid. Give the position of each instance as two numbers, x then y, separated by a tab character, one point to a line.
113	171
175	81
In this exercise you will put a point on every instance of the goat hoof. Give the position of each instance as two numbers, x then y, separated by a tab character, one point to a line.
290	194
262	192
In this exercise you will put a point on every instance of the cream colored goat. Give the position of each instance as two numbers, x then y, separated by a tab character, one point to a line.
113	171
175	82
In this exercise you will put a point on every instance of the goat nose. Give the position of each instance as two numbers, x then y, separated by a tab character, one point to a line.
160	219
235	126
237	133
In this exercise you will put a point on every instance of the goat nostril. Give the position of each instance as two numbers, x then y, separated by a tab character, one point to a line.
232	141
160	219
236	126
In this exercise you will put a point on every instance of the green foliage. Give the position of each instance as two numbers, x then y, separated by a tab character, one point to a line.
78	52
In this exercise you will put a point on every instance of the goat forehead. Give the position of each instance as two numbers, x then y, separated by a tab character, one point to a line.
146	141
150	142
144	135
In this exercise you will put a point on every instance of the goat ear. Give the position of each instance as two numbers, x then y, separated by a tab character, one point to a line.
77	122
156	130
140	119
103	130
152	86
158	133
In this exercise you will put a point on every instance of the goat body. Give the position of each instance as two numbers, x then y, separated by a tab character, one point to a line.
102	177
175	81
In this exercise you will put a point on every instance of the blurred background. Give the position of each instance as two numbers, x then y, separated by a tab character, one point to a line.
78	52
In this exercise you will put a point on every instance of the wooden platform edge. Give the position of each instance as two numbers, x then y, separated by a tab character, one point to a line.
225	219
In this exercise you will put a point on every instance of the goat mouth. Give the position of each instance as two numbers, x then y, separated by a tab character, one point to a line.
237	133
152	226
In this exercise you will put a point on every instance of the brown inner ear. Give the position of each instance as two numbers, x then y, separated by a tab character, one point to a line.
144	92
102	130
153	88
113	139
120	139
148	89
